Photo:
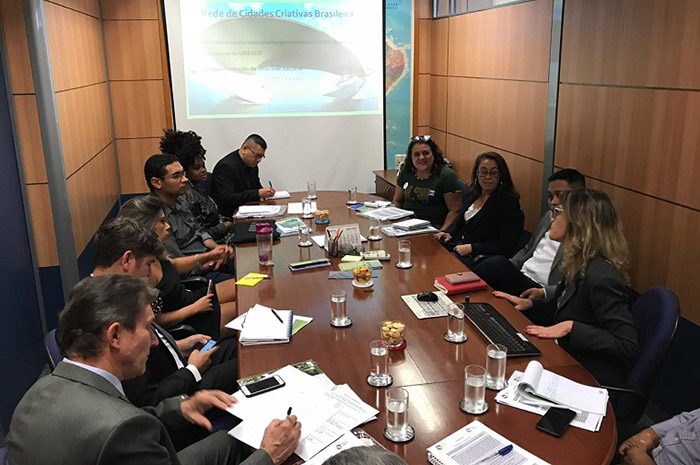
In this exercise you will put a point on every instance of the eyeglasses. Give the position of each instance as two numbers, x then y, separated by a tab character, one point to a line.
556	211
424	138
258	156
176	176
494	173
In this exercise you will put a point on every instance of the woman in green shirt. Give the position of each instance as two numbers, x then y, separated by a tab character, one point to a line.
427	186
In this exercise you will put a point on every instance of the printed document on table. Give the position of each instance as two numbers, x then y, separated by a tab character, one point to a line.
280	195
346	441
295	208
260	211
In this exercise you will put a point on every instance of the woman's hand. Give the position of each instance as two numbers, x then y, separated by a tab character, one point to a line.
216	257
519	303
442	236
534	293
463	249
203	304
550	332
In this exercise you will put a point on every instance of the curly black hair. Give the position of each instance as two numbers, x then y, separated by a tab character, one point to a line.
186	146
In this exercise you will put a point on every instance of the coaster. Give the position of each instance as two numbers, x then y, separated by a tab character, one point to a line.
305	244
312	197
369	283
404	267
351	202
455	340
322	222
395	438
374	238
344	324
491	388
375	381
475	412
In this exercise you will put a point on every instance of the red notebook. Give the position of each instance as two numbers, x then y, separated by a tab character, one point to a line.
442	284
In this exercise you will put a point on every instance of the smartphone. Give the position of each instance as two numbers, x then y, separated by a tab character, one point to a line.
309	264
210	288
556	420
210	343
264	385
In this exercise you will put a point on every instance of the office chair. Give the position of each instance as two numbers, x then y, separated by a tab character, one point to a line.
655	314
53	353
3	455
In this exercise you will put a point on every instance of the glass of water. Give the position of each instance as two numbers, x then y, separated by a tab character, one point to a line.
374	229
455	324
379	365
496	366
352	196
397	427
311	190
339	317
474	390
404	254
305	236
306	210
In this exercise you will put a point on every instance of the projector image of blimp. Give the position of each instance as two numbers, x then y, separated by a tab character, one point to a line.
275	60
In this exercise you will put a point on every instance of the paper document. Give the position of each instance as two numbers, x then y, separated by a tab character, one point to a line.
424	310
289	226
280	195
260	211
478	444
297	323
510	396
542	387
396	232
346	441
265	325
387	213
295	208
320	240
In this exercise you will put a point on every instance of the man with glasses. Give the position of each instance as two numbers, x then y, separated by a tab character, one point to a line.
235	179
534	272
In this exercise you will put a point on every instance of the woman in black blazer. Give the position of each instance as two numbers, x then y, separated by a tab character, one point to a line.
491	221
589	314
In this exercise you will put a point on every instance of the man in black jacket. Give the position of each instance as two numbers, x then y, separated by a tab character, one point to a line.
235	179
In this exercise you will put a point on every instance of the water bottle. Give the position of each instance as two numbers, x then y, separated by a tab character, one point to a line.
263	237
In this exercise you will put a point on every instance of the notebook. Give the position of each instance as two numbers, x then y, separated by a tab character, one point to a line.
442	284
262	326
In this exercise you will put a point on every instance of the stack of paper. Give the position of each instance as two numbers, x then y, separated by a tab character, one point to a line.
280	195
387	213
391	231
326	411
538	389
260	211
295	208
289	226
265	325
298	322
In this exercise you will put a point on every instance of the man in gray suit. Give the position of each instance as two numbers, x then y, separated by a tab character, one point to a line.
533	272
79	413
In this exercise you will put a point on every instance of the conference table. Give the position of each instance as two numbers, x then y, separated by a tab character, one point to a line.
430	368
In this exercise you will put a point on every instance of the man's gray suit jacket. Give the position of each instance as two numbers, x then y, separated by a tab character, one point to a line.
76	416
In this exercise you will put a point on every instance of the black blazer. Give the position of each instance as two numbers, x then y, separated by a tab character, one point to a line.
233	184
494	230
603	338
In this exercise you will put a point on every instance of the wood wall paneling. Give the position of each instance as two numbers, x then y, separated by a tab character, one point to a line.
92	192
505	43
439	45
42	224
75	47
138	108
526	173
84	118
440	138
424	8
122	38
632	42
663	243
506	114
133	154
29	135
88	7
423	48
130	9
438	102
15	39
644	139
422	112
165	66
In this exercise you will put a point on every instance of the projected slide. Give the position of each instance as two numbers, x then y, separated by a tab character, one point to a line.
280	58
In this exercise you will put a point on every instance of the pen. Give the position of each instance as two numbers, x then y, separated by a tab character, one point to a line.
270	183
276	315
289	411
501	452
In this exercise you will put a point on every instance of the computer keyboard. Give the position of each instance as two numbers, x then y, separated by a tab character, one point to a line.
498	330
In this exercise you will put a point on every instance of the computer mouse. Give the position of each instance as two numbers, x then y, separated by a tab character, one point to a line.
427	296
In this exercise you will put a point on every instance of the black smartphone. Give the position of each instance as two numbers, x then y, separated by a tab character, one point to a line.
264	385
556	420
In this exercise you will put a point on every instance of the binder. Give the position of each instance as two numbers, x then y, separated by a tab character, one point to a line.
261	326
449	289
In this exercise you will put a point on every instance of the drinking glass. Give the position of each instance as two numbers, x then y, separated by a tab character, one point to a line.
374	230
311	190
305	236
455	324
496	366
338	311
379	365
352	196
474	390
397	427
306	208
404	254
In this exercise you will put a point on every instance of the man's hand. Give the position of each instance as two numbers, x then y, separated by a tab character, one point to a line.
186	345
281	438
194	408
442	236
519	303
641	443
266	192
202	360
550	332
534	293
463	249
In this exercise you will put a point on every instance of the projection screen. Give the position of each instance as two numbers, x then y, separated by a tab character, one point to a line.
307	76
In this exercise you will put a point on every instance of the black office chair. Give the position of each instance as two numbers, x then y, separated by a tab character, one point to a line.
53	353
655	315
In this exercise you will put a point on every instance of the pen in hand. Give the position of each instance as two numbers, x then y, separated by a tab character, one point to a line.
270	184
289	411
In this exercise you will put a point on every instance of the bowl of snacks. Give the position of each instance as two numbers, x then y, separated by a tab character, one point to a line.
392	333
362	277
321	217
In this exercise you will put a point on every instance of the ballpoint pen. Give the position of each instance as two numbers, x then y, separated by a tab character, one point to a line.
501	452
276	315
270	184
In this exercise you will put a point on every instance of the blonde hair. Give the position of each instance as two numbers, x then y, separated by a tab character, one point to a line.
593	229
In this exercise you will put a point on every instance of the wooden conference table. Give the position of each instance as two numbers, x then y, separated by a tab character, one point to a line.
431	369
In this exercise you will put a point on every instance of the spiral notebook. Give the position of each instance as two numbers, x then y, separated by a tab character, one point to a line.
265	325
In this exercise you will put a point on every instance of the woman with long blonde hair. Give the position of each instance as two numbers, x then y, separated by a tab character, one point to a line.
589	314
